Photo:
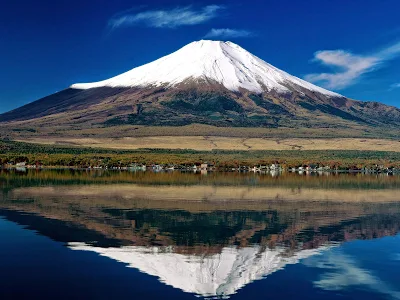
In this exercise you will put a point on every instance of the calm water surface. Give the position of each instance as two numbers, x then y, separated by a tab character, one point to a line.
110	235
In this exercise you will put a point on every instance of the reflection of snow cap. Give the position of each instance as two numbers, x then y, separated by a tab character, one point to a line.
214	275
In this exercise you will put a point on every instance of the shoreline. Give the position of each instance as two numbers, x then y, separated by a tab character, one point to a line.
18	154
205	171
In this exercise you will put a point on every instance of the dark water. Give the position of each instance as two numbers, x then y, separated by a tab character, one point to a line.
111	235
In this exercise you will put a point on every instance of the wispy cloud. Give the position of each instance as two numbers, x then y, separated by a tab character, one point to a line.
180	16
349	67
392	87
228	33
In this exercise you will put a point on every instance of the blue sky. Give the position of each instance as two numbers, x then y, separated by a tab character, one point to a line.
352	47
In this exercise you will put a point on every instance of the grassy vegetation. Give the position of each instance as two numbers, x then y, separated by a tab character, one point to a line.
53	155
208	143
118	130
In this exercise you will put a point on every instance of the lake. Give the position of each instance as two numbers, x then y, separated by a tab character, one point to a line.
69	234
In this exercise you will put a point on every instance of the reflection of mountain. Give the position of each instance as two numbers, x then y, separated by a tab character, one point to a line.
220	274
204	239
149	216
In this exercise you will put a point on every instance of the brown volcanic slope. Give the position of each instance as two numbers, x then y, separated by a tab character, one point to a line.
112	109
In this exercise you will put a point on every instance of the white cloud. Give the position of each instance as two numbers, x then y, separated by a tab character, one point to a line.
349	67
180	16
228	33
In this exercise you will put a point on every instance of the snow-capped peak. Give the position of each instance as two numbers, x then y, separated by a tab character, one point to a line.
212	61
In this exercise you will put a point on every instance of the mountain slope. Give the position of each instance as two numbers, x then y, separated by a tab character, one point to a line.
205	82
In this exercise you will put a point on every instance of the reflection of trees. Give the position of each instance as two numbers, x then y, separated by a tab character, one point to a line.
269	228
294	225
13	179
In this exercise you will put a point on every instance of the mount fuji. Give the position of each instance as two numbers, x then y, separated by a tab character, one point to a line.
205	82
